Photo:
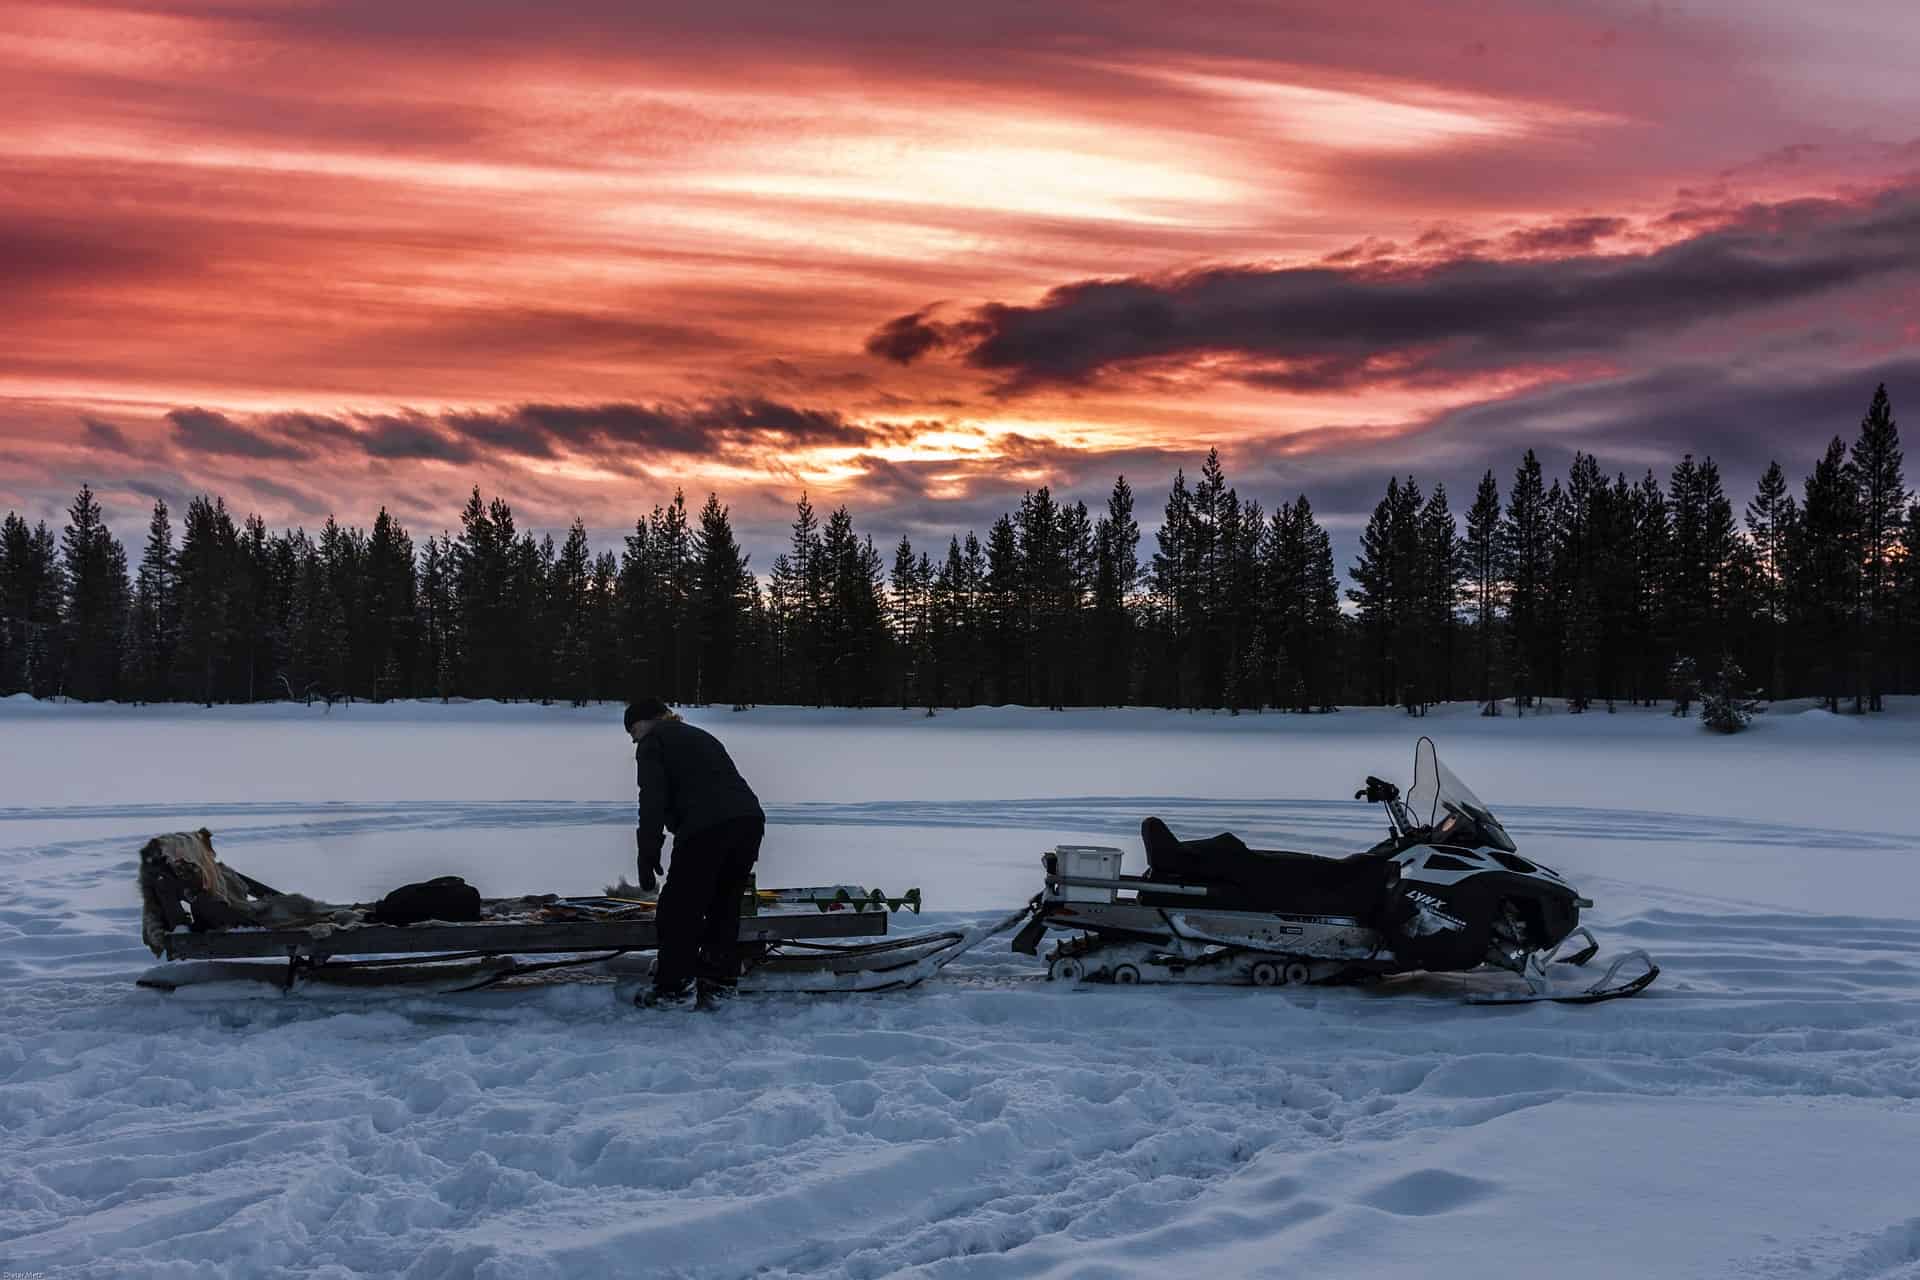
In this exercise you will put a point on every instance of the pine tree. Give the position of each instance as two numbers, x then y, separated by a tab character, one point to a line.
1594	572
777	664
1907	601
1611	575
306	639
1484	562
1077	641
385	633
1002	616
1116	571
342	668
1526	553
1683	684
958	610
96	601
873	640
1575	616
949	612
1300	615
436	616
209	547
911	609
30	600
1698	585
1727	703
533	664
1441	568
1374	590
1042	585
1394	583
14	538
720	585
1210	545
853	622
799	583
1726	577
1652	542
478	571
1827	561
1771	517
1179	593
838	619
1882	506
633	599
604	641
156	610
752	681
571	608
1321	622
1282	601
674	635
255	611
1550	668
45	589
1247	654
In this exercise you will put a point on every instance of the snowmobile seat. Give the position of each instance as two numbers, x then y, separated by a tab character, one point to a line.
1241	879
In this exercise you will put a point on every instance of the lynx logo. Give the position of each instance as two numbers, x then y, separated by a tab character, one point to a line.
1430	915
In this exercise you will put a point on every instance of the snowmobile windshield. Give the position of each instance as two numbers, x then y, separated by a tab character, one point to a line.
1448	808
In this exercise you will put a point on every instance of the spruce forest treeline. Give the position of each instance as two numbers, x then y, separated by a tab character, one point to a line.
1588	588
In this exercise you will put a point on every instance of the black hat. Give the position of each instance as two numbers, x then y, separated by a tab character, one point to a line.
644	709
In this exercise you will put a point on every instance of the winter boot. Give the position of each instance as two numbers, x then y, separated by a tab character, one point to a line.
682	997
712	993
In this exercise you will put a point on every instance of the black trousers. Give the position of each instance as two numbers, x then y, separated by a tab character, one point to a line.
699	911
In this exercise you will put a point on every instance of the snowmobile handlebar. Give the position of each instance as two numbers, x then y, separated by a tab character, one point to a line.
1380	791
1377	791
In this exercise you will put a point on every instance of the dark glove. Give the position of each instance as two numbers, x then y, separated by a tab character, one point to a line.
650	867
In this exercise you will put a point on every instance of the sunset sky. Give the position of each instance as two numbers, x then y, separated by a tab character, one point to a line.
920	257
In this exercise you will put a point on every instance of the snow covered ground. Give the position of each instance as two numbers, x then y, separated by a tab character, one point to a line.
1756	1113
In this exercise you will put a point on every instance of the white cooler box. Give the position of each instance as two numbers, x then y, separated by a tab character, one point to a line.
1086	861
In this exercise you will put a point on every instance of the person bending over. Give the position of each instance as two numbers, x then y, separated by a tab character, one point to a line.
689	786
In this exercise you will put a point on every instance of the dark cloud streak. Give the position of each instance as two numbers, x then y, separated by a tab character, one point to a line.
204	431
616	434
104	435
1324	327
905	339
35	255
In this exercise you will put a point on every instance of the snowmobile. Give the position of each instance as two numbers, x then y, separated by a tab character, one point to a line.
1446	892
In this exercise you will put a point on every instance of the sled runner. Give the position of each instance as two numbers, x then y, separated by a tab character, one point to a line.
1446	892
805	967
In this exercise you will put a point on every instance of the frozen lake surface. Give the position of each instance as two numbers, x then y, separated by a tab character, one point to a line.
1756	1113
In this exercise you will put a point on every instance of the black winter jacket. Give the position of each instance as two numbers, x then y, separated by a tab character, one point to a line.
688	783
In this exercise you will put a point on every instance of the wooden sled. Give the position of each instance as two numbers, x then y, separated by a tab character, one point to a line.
485	949
204	917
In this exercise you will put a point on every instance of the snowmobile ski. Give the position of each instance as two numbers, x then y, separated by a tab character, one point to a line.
1548	988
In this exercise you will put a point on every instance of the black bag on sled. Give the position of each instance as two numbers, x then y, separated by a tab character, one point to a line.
442	898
